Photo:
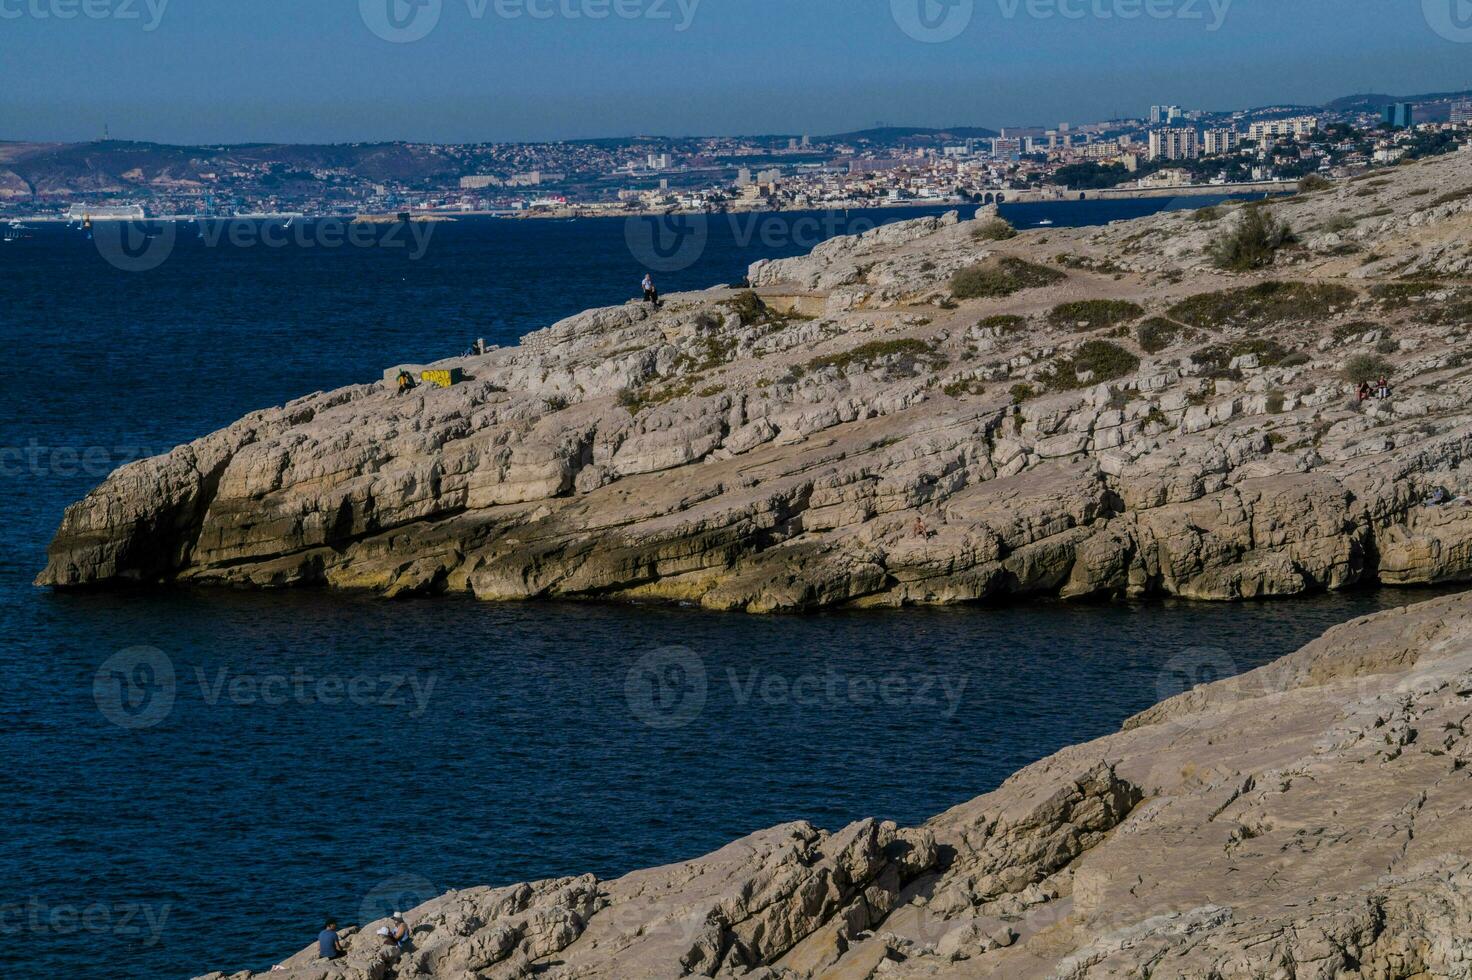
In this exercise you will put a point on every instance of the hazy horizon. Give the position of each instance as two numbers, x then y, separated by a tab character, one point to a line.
480	71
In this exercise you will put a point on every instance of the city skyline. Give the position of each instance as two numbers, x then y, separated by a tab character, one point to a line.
500	71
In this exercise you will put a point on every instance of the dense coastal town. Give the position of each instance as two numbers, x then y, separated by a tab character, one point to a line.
1169	147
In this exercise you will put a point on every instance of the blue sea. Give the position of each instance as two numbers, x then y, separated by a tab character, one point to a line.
195	779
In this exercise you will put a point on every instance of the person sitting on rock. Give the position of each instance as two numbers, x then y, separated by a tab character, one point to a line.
1384	389
329	946
1364	391
400	931
406	382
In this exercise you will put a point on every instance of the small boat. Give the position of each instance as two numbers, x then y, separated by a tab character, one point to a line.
1046	223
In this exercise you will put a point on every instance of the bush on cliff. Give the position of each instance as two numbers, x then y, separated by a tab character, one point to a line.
904	358
994	230
1267	303
1313	182
1217	359
1366	368
1095	314
1001	277
1093	362
1157	333
1252	244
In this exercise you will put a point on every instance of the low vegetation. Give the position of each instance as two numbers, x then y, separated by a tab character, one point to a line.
1157	333
1252	244
904	358
1093	362
994	230
1002	276
1095	314
1366	368
1453	197
1313	182
1207	215
1217	359
1265	304
1002	323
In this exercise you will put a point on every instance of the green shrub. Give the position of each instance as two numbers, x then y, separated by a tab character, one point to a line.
1105	360
1264	304
1021	393
1002	323
1339	223
1453	197
1313	182
1366	367
1388	345
1095	314
1354	330
1253	244
1157	333
749	307
1405	291
1207	215
904	357
1218	358
1276	400
1001	276
995	230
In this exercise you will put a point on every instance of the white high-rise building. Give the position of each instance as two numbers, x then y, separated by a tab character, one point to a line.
1299	127
1461	113
1218	141
1174	144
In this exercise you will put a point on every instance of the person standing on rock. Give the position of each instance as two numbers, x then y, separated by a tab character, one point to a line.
329	946
651	295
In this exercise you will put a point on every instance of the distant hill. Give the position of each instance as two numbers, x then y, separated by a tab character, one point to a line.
892	134
1373	102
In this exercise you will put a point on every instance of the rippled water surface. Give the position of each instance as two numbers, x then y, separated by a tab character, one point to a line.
196	778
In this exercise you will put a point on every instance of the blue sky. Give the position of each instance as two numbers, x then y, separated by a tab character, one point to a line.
315	70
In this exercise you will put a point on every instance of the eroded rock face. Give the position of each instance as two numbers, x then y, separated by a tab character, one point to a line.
1309	819
723	451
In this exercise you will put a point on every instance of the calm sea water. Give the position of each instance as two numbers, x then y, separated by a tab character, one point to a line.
195	779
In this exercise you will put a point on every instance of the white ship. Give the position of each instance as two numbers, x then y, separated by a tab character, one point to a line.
89	212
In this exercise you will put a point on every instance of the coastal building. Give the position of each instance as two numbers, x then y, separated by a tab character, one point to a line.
1398	115
1268	131
476	182
1006	148
1164	115
1461	113
1219	141
1174	144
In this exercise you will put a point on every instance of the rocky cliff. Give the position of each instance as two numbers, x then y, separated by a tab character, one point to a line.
930	412
1311	819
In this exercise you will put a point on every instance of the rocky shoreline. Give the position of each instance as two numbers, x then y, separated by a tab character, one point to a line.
926	413
1309	819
